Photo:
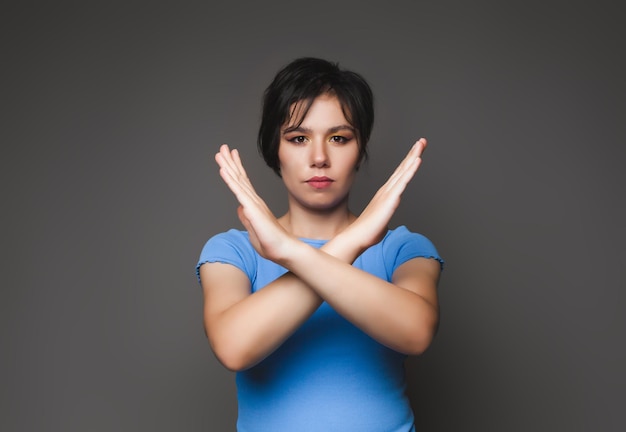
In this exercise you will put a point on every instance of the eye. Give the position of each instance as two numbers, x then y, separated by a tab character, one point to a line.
300	139
339	139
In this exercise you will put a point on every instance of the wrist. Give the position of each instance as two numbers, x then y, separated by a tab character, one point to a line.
345	246
296	250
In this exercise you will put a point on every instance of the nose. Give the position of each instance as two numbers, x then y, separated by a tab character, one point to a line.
319	155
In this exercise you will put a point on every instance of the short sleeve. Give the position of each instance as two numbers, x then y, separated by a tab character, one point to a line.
230	247
401	245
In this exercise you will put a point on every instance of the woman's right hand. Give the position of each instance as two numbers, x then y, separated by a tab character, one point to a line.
371	225
267	236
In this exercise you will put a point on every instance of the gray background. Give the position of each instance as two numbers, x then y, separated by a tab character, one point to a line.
111	114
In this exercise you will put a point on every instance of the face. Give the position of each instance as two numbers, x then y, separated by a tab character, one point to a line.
318	158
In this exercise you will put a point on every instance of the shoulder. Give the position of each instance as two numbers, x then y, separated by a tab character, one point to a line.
401	244
402	235
231	237
229	247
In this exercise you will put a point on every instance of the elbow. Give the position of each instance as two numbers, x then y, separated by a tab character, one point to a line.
231	361
230	356
225	348
421	338
418	346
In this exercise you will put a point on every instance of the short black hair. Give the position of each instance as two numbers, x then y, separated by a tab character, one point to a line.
300	82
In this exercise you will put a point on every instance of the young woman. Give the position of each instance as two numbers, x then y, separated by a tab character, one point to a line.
317	310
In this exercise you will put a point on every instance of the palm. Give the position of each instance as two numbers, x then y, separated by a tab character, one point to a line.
269	238
371	224
266	234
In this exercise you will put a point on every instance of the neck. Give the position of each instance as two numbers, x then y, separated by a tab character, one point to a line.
322	225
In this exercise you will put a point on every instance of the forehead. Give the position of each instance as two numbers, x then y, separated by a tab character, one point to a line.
326	106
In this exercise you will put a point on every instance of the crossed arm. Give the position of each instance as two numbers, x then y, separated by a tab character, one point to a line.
244	328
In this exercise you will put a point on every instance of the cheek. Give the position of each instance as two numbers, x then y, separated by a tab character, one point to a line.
283	159
354	162
287	163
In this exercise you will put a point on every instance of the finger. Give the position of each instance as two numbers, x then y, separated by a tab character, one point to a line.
248	226
413	156
238	183
237	161
407	164
420	146
227	159
242	218
403	174
232	170
415	152
230	161
242	174
222	156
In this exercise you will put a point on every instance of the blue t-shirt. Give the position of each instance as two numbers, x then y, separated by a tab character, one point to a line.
329	375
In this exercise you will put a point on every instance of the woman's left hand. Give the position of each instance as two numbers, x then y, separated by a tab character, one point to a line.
371	225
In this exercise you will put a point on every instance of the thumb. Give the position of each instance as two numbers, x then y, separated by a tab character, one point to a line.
242	217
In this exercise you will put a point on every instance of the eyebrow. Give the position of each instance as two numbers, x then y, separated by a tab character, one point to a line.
307	130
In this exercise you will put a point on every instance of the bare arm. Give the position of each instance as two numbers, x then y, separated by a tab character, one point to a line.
244	328
402	314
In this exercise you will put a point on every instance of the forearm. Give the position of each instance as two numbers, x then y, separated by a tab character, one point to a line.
395	316
251	328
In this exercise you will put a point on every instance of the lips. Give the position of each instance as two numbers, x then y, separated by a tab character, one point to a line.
320	182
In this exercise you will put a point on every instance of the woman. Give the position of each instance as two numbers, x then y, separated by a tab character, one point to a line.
317	310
